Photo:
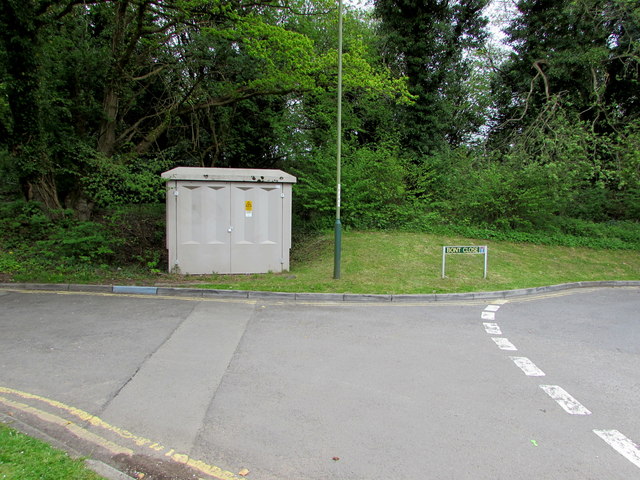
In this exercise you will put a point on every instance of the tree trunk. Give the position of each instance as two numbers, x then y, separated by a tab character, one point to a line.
82	207
111	101
42	189
107	136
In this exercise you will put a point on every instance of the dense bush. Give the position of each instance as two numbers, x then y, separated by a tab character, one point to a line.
140	229
54	237
23	223
373	189
121	180
552	197
555	181
34	238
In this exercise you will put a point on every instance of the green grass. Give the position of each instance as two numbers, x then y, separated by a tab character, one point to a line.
392	263
26	458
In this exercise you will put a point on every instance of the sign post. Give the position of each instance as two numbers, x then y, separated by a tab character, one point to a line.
473	250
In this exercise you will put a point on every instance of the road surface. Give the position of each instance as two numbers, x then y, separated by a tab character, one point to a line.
544	387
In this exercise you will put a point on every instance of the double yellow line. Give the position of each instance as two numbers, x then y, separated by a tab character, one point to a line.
87	436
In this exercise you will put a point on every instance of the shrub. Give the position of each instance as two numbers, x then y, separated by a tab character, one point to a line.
87	242
123	236
140	229
23	223
373	189
121	180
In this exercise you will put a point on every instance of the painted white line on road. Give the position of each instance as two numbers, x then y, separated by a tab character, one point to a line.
566	401
503	343
528	367
488	315
621	444
492	328
492	308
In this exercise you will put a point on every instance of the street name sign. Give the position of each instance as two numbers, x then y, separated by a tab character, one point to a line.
467	249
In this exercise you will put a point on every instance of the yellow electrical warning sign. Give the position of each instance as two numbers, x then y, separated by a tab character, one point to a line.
248	208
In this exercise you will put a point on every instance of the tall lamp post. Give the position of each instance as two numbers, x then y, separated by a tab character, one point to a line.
338	225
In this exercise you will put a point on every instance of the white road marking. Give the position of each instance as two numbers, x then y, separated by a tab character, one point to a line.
566	401
621	444
528	367
503	343
492	328
492	308
488	315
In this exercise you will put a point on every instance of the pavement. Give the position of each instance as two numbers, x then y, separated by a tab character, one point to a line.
167	383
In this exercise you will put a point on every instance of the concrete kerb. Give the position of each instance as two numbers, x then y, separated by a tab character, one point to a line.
136	290
106	471
414	298
58	287
209	293
91	288
313	297
320	297
273	295
354	297
447	297
179	292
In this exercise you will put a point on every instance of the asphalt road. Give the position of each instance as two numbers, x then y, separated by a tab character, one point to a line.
544	387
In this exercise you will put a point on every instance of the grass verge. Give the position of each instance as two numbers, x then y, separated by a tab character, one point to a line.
26	458
390	263
395	263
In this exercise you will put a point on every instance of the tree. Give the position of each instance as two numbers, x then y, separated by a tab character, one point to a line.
20	37
568	99
428	42
584	52
115	89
